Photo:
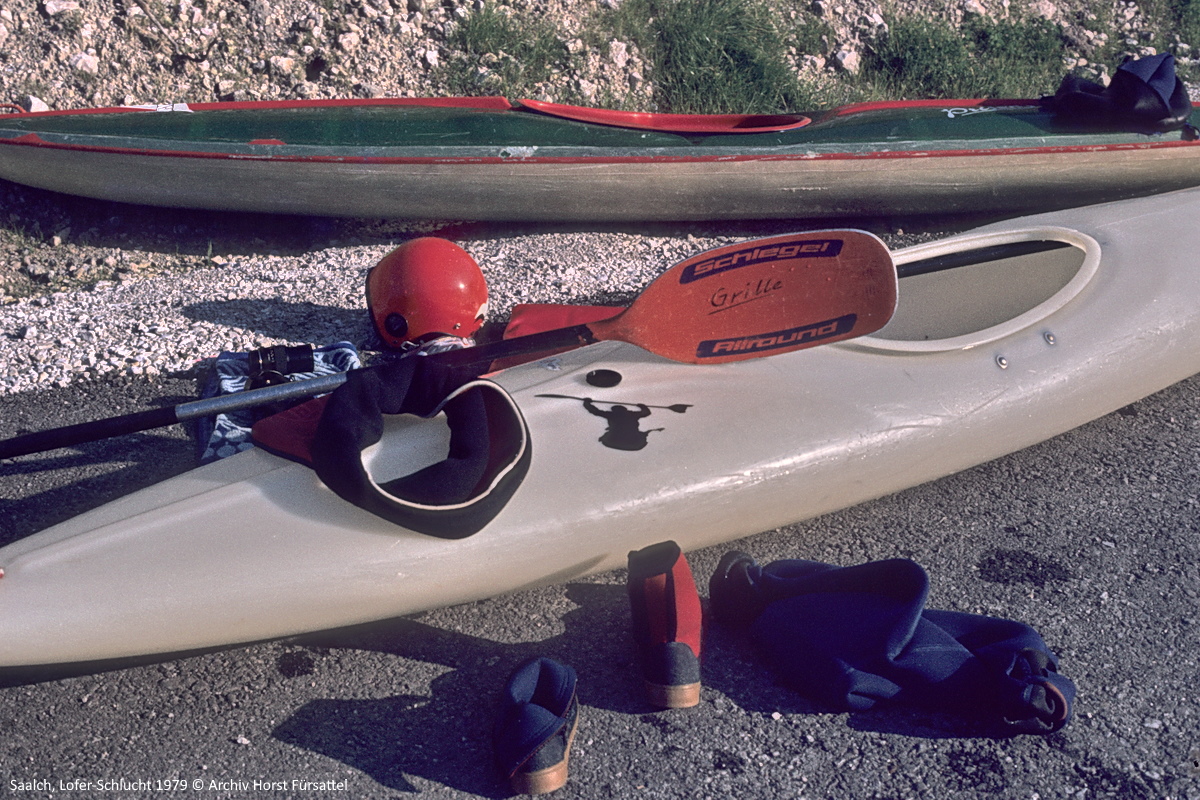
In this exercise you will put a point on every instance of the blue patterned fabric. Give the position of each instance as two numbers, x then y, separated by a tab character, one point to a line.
227	434
442	344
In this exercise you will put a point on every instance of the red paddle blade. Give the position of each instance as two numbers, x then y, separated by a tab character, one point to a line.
762	298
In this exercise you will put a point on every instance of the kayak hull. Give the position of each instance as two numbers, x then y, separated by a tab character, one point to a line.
254	547
752	188
875	160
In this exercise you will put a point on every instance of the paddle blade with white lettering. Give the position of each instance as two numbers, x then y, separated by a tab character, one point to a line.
763	297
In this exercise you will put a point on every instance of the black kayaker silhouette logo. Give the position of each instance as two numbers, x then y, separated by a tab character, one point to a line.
623	430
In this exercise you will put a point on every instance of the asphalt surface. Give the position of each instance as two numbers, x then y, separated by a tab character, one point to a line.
1091	538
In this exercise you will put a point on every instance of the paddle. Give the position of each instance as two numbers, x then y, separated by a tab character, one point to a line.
747	300
678	408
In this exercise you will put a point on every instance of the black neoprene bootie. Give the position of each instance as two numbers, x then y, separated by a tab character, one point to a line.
734	597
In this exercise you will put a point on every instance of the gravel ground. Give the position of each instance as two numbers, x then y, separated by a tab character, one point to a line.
159	326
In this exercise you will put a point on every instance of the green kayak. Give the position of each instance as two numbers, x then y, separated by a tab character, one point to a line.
492	159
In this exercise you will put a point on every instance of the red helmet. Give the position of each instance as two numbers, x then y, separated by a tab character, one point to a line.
424	288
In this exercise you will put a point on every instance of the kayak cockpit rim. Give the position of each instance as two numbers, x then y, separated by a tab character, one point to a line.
1019	280
672	123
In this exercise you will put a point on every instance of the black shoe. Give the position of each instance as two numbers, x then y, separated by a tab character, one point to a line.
537	725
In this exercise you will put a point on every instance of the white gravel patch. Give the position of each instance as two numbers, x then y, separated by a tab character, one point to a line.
164	324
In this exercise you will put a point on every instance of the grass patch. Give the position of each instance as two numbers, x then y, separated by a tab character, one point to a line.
1173	22
713	56
1167	19
741	56
1187	23
718	56
925	57
504	54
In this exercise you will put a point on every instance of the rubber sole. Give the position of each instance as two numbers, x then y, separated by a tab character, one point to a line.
684	696
548	779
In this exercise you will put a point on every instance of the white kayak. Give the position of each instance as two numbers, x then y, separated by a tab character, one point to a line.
979	361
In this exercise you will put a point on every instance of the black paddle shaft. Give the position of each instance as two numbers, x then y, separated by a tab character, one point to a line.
468	362
87	432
